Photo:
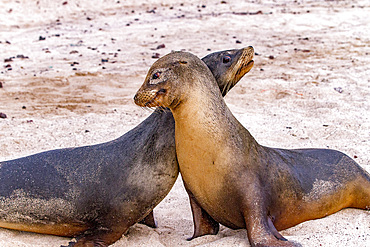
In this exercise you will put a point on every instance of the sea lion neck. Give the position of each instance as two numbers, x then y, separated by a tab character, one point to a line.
205	116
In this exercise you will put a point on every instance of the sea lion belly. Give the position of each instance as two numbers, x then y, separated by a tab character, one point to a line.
66	230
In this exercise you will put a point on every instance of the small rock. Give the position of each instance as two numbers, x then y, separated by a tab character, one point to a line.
8	60
238	41
24	107
161	46
65	3
259	12
22	56
3	115
271	57
42	38
104	60
156	55
338	89
29	121
1	84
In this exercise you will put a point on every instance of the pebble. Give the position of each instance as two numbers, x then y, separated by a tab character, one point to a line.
3	115
21	56
156	55
161	46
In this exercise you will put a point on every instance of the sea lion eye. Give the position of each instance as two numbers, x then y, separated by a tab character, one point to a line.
226	59
156	75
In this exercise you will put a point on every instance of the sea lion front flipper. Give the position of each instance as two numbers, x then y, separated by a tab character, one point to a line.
274	231
204	224
260	229
99	237
149	220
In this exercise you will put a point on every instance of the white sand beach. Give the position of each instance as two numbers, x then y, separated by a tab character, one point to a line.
70	68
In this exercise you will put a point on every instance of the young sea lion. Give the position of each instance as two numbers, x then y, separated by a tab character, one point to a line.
233	180
99	191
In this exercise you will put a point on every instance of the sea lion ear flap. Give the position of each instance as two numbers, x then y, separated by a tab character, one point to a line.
183	62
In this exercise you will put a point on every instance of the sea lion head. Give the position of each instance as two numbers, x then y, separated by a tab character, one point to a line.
229	66
171	76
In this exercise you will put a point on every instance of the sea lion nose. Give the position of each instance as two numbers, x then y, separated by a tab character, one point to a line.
136	98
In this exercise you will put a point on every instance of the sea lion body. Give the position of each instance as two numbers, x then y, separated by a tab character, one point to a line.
114	183
233	180
97	192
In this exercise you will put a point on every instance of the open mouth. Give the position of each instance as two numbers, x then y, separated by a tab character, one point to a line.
245	69
249	66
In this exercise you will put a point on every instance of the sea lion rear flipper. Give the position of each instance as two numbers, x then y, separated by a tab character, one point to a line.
204	224
149	220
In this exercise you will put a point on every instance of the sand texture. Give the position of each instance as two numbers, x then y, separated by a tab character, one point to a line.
69	71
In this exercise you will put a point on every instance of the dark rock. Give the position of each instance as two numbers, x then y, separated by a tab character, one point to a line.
156	55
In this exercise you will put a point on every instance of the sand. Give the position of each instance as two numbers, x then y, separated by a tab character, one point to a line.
69	71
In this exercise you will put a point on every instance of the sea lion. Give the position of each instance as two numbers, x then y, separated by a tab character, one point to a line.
97	192
233	180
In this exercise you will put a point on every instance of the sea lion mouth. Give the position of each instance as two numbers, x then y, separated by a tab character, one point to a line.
150	98
156	100
247	68
243	64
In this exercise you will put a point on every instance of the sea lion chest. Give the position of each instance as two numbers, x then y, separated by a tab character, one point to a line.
204	168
